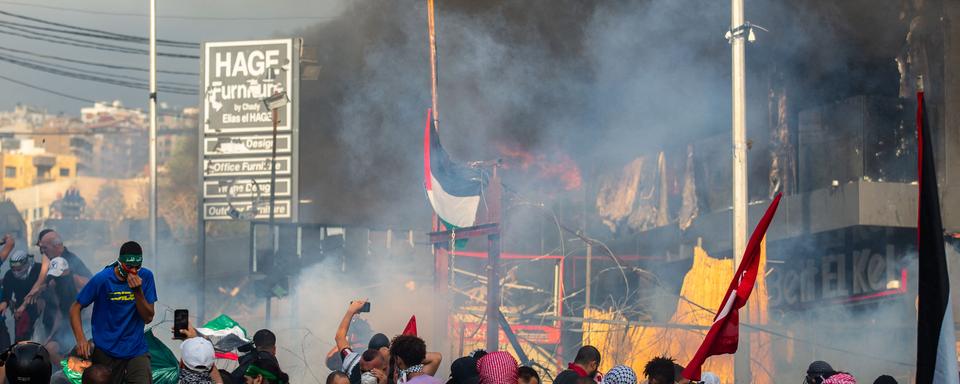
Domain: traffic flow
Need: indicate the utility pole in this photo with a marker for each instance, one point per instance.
(738, 35)
(274, 238)
(153, 134)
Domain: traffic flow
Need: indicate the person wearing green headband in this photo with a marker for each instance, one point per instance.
(264, 371)
(122, 295)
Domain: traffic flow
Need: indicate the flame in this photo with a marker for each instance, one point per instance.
(555, 166)
(705, 284)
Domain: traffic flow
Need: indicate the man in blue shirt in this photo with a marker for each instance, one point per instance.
(122, 295)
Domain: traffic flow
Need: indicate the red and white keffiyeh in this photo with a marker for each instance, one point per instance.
(840, 378)
(498, 368)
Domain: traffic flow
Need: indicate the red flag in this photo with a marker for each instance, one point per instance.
(411, 328)
(724, 334)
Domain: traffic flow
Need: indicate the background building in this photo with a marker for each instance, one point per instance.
(26, 165)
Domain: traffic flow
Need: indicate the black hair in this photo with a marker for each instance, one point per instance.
(527, 373)
(661, 369)
(75, 352)
(587, 354)
(370, 355)
(335, 374)
(584, 380)
(411, 349)
(96, 374)
(885, 379)
(264, 338)
(131, 248)
(478, 354)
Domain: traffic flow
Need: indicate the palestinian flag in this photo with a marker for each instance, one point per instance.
(454, 189)
(936, 341)
(225, 334)
(164, 365)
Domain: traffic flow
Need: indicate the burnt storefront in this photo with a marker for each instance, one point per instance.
(851, 265)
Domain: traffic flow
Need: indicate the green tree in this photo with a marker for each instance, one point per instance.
(179, 188)
(110, 204)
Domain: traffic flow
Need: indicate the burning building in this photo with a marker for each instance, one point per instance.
(612, 125)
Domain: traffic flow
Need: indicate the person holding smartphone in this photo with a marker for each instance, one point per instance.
(122, 295)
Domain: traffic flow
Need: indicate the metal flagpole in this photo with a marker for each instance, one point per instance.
(153, 134)
(738, 37)
(431, 24)
(440, 255)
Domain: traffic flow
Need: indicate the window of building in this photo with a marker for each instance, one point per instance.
(10, 171)
(65, 172)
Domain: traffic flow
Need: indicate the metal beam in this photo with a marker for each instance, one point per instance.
(443, 237)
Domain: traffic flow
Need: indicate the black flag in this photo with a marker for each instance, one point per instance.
(936, 341)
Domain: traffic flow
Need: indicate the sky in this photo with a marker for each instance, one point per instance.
(222, 20)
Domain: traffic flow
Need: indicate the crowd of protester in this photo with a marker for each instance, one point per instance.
(54, 292)
(405, 360)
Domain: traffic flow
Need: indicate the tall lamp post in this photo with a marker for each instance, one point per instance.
(274, 102)
(152, 225)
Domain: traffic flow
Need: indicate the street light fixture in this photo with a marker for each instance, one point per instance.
(276, 101)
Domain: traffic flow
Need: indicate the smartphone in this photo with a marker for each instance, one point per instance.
(365, 308)
(181, 318)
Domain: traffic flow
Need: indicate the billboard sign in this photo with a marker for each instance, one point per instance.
(246, 145)
(244, 210)
(245, 166)
(237, 129)
(244, 188)
(237, 76)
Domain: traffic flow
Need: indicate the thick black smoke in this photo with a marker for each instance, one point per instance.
(603, 81)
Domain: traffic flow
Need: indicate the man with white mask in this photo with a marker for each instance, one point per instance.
(17, 282)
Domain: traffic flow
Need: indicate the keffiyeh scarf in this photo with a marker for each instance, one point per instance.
(406, 372)
(620, 374)
(498, 368)
(840, 378)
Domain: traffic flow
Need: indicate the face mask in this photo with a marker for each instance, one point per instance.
(129, 264)
(22, 271)
(368, 378)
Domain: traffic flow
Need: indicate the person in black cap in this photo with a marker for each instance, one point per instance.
(818, 371)
(122, 295)
(464, 371)
(28, 362)
(265, 348)
(885, 379)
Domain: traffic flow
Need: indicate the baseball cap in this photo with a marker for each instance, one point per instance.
(58, 266)
(379, 341)
(197, 354)
(42, 234)
(818, 367)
